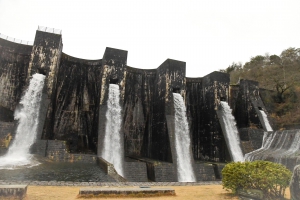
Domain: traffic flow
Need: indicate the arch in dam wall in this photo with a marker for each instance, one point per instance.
(76, 90)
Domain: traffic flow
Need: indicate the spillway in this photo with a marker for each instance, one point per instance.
(182, 142)
(280, 147)
(265, 121)
(231, 133)
(112, 150)
(28, 115)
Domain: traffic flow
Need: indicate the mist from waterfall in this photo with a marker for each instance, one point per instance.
(112, 149)
(182, 142)
(231, 133)
(18, 153)
(266, 121)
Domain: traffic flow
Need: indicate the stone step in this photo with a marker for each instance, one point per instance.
(13, 191)
(126, 191)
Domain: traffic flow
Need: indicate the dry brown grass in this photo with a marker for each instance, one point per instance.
(207, 192)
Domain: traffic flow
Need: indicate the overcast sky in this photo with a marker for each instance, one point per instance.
(207, 35)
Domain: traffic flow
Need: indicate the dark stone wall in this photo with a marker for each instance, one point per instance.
(6, 115)
(247, 105)
(135, 171)
(76, 90)
(114, 62)
(170, 78)
(58, 150)
(205, 172)
(194, 102)
(14, 62)
(138, 100)
(76, 104)
(251, 139)
(161, 171)
(5, 129)
(233, 96)
(45, 59)
(215, 87)
(203, 99)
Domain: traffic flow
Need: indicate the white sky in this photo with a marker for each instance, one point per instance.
(207, 35)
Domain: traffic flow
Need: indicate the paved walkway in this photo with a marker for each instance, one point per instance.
(113, 184)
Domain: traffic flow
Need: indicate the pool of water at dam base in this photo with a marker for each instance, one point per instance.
(57, 171)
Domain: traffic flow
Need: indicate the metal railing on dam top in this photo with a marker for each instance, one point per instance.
(11, 39)
(49, 30)
(40, 28)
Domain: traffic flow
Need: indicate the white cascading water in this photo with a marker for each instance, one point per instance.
(291, 148)
(267, 141)
(18, 153)
(182, 142)
(277, 147)
(266, 121)
(231, 133)
(112, 149)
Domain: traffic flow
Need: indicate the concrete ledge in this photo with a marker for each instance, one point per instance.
(126, 191)
(159, 171)
(13, 191)
(110, 169)
(135, 171)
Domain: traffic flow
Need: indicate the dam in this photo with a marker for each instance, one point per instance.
(81, 115)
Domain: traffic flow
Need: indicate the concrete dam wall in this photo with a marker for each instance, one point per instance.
(75, 103)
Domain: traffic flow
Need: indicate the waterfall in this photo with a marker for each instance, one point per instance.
(182, 142)
(231, 133)
(112, 148)
(27, 116)
(266, 121)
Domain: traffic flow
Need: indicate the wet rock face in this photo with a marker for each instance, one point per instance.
(203, 96)
(295, 184)
(247, 105)
(6, 115)
(251, 139)
(194, 102)
(76, 92)
(113, 71)
(138, 100)
(170, 78)
(76, 104)
(45, 58)
(13, 72)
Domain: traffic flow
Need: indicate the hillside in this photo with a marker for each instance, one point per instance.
(280, 75)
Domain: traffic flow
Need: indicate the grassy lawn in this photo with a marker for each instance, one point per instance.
(207, 192)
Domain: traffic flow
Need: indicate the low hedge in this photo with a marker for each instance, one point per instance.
(271, 178)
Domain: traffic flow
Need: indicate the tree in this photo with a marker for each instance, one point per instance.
(290, 56)
(277, 81)
(233, 67)
(255, 62)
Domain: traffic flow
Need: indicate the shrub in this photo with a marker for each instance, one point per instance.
(269, 177)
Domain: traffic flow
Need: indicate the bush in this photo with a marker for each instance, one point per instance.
(271, 178)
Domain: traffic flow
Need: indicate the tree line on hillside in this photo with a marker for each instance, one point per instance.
(280, 74)
(273, 72)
